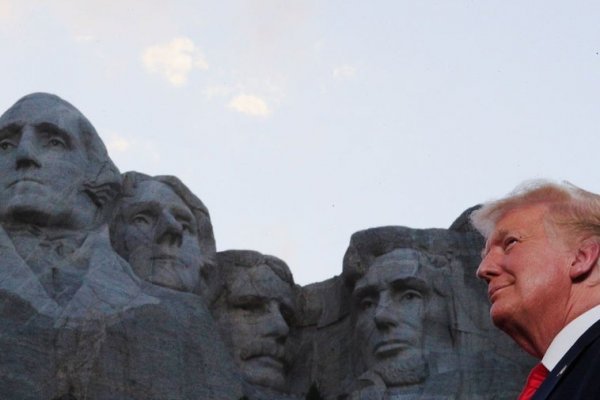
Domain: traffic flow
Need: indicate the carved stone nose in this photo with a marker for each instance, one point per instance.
(385, 312)
(26, 156)
(278, 327)
(169, 230)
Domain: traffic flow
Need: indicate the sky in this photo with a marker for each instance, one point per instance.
(299, 123)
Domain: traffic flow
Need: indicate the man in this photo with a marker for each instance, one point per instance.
(254, 312)
(390, 296)
(57, 189)
(164, 232)
(541, 265)
(61, 283)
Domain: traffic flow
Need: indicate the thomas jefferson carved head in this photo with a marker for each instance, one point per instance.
(54, 169)
(164, 231)
(254, 313)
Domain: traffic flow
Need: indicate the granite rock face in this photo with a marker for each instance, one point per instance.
(408, 319)
(111, 289)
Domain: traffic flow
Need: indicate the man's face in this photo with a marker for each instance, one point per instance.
(42, 163)
(525, 264)
(158, 237)
(255, 323)
(390, 304)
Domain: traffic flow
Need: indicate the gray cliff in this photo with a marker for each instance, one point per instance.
(111, 288)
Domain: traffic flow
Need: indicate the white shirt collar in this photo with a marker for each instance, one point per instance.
(568, 335)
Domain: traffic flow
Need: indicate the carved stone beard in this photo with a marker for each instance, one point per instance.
(404, 372)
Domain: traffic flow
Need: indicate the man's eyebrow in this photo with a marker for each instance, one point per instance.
(10, 129)
(364, 290)
(409, 282)
(183, 213)
(248, 297)
(55, 130)
(141, 206)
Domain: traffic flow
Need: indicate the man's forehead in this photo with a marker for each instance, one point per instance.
(390, 267)
(152, 191)
(36, 111)
(523, 221)
(258, 281)
(529, 217)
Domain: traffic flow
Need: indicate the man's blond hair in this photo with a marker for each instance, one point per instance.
(570, 208)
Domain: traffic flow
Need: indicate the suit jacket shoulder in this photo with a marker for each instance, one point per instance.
(577, 374)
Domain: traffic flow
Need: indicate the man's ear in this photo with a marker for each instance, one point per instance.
(585, 260)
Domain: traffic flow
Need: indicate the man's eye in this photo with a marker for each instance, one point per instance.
(140, 219)
(411, 295)
(6, 144)
(366, 303)
(55, 142)
(509, 242)
(250, 306)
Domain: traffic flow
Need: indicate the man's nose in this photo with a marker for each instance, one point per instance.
(385, 312)
(27, 152)
(488, 268)
(277, 326)
(169, 230)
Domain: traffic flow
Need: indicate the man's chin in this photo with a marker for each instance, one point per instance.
(498, 314)
(402, 371)
(264, 373)
(172, 274)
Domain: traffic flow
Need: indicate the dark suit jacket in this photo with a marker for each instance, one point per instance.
(577, 374)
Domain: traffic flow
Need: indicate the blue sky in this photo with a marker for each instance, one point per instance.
(301, 122)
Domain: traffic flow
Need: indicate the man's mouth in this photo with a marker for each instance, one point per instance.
(268, 355)
(386, 348)
(23, 180)
(268, 361)
(493, 290)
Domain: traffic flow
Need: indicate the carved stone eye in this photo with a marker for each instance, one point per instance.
(6, 144)
(411, 295)
(254, 307)
(366, 303)
(140, 219)
(54, 142)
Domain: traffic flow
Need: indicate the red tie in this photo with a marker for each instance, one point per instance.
(534, 380)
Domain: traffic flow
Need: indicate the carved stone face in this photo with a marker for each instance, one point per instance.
(255, 323)
(390, 307)
(158, 235)
(42, 164)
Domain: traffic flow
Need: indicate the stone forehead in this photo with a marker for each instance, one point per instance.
(408, 258)
(43, 105)
(396, 264)
(259, 280)
(155, 191)
(231, 260)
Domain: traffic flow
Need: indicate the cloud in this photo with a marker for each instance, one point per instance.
(344, 72)
(11, 14)
(7, 10)
(174, 60)
(250, 105)
(118, 143)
